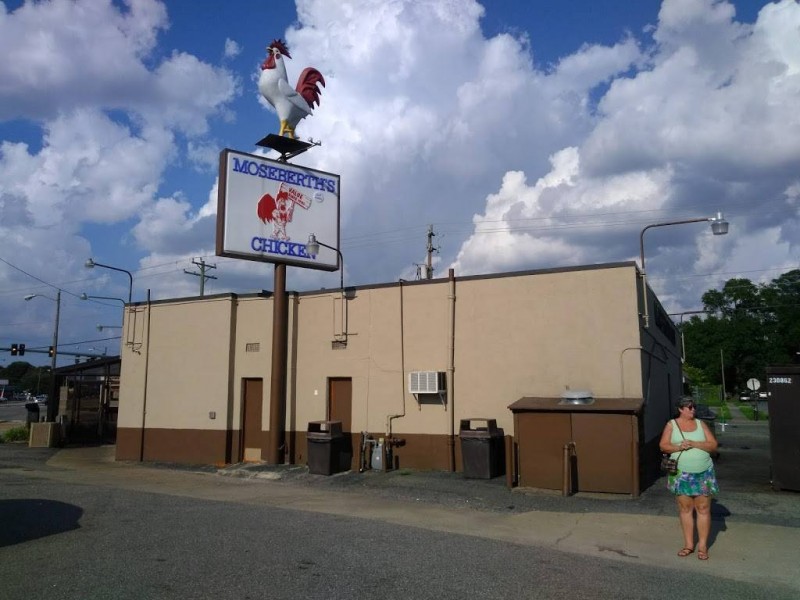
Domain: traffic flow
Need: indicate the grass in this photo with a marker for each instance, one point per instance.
(16, 434)
(749, 413)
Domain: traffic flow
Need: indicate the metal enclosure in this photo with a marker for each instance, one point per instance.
(783, 385)
(325, 441)
(482, 449)
(601, 440)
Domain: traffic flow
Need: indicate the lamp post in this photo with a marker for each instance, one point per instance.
(90, 264)
(51, 405)
(680, 326)
(719, 226)
(313, 249)
(85, 296)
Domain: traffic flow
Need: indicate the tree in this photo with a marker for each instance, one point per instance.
(749, 327)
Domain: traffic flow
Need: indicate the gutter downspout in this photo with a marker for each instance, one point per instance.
(391, 418)
(451, 355)
(146, 371)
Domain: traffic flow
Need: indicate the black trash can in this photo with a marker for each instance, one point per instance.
(325, 441)
(482, 449)
(33, 413)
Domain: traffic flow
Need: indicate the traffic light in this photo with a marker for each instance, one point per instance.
(51, 351)
(22, 349)
(14, 350)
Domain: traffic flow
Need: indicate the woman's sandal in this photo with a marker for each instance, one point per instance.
(685, 552)
(702, 554)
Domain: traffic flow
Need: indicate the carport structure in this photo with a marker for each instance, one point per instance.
(89, 400)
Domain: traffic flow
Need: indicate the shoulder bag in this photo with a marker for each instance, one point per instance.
(670, 465)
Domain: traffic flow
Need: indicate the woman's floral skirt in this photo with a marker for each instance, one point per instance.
(693, 484)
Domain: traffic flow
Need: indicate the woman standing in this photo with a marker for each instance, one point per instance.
(691, 442)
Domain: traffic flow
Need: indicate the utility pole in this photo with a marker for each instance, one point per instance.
(202, 274)
(430, 249)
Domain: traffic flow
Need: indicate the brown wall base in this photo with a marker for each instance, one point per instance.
(188, 446)
(196, 446)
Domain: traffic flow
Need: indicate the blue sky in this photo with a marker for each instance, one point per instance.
(529, 134)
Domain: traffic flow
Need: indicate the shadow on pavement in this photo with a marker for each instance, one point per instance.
(27, 519)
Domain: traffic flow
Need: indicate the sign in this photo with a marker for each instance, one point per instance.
(753, 384)
(267, 209)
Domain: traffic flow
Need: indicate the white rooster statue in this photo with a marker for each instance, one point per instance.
(291, 104)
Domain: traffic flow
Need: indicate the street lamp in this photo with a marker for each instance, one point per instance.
(90, 264)
(51, 405)
(313, 249)
(719, 226)
(85, 296)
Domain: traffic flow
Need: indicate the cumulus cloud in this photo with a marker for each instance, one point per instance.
(429, 121)
(707, 123)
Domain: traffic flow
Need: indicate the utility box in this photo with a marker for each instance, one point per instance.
(600, 436)
(783, 385)
(482, 448)
(325, 445)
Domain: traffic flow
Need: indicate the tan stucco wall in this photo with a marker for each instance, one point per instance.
(186, 372)
(515, 335)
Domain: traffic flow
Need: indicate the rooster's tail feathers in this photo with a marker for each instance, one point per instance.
(307, 85)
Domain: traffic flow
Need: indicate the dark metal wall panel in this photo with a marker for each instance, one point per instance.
(783, 384)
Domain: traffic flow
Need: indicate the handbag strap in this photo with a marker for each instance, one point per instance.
(675, 423)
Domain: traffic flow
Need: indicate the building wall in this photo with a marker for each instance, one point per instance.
(523, 334)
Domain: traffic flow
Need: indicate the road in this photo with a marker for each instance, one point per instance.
(120, 531)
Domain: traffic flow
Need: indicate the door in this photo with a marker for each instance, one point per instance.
(340, 408)
(604, 445)
(252, 434)
(541, 437)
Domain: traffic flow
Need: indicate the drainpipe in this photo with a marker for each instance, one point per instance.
(451, 355)
(146, 370)
(391, 418)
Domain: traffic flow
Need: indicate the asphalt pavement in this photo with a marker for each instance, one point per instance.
(755, 530)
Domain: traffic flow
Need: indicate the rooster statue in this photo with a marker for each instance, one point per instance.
(290, 104)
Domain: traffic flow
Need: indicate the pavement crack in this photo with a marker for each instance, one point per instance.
(616, 551)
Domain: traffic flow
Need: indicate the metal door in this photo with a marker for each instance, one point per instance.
(252, 434)
(604, 451)
(340, 408)
(541, 438)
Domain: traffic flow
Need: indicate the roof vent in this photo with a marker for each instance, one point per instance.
(577, 398)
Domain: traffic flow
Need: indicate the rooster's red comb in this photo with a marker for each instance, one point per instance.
(281, 46)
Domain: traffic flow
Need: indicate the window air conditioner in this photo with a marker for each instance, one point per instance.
(426, 382)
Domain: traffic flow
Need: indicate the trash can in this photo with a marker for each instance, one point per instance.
(482, 449)
(33, 413)
(325, 441)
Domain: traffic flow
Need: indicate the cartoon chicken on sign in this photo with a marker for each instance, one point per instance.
(291, 104)
(279, 210)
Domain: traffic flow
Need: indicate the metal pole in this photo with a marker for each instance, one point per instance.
(722, 366)
(53, 403)
(277, 393)
(641, 256)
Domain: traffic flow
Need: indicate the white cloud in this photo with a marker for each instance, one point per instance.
(708, 123)
(429, 122)
(232, 49)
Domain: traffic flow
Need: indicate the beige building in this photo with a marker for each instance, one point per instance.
(195, 381)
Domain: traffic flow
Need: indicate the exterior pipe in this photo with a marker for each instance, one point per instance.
(450, 375)
(391, 418)
(146, 371)
(566, 479)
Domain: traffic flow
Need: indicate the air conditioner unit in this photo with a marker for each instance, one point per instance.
(426, 382)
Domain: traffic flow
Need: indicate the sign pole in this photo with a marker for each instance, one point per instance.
(277, 390)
